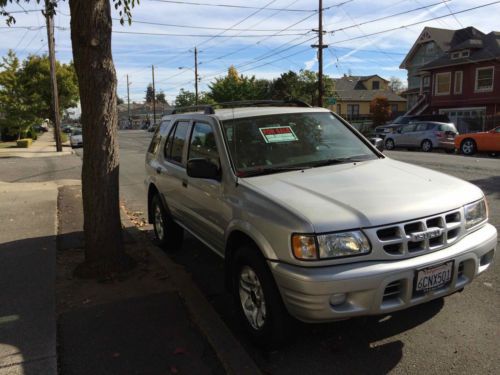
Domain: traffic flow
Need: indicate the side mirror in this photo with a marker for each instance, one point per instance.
(378, 143)
(202, 168)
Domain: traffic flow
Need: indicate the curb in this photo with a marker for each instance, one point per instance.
(233, 357)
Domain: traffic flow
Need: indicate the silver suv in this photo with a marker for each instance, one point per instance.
(312, 221)
(424, 135)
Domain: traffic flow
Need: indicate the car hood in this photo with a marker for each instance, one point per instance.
(76, 138)
(366, 194)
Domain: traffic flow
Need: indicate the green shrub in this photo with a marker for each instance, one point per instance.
(24, 143)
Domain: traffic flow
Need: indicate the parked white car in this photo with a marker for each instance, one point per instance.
(76, 139)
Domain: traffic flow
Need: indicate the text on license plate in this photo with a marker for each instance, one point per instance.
(434, 277)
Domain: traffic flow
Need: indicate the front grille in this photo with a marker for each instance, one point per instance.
(420, 236)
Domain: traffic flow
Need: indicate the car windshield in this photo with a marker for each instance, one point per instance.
(270, 144)
(77, 132)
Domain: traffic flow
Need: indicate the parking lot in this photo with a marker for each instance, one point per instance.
(456, 335)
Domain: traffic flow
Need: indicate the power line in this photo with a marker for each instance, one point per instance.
(202, 35)
(386, 17)
(451, 11)
(230, 6)
(416, 23)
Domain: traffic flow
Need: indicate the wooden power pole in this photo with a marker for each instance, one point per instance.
(128, 101)
(196, 75)
(154, 95)
(320, 46)
(49, 18)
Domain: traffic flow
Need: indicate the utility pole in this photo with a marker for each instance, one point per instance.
(49, 18)
(128, 101)
(320, 46)
(196, 75)
(154, 95)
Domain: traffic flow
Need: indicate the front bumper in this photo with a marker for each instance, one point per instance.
(307, 291)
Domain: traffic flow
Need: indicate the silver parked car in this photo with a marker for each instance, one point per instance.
(300, 206)
(424, 135)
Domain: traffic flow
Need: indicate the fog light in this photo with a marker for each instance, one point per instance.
(337, 299)
(486, 258)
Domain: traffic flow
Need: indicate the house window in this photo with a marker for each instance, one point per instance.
(394, 108)
(375, 85)
(484, 79)
(458, 82)
(339, 108)
(465, 53)
(427, 81)
(352, 110)
(455, 55)
(443, 83)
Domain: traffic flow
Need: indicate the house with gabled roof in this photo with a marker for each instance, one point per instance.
(353, 95)
(461, 81)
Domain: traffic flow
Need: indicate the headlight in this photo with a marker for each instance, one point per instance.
(475, 213)
(343, 244)
(333, 245)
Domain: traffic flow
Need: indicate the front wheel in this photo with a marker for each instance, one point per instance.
(468, 147)
(257, 298)
(168, 233)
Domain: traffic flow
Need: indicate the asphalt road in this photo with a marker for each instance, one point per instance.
(458, 335)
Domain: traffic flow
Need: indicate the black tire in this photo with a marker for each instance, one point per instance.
(468, 147)
(169, 235)
(276, 321)
(389, 144)
(426, 145)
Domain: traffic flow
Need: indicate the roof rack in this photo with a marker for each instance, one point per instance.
(209, 109)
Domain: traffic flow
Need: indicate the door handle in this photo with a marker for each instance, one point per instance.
(185, 183)
(158, 170)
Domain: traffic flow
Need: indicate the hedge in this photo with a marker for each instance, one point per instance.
(24, 143)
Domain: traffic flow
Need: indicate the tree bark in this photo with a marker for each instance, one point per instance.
(91, 27)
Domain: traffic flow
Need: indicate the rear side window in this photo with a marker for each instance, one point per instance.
(422, 127)
(174, 146)
(161, 130)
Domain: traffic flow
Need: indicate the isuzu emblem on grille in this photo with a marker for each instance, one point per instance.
(426, 235)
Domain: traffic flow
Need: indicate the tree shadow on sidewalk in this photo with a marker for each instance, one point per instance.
(27, 306)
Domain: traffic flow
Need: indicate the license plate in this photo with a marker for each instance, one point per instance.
(434, 277)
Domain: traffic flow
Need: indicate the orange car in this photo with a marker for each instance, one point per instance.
(470, 143)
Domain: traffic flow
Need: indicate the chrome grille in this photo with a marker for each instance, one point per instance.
(420, 236)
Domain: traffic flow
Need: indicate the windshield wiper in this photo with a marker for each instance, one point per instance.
(270, 170)
(350, 159)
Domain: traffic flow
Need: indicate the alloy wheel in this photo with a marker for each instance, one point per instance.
(468, 147)
(158, 223)
(252, 298)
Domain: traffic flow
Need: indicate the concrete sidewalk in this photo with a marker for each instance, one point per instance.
(44, 146)
(28, 228)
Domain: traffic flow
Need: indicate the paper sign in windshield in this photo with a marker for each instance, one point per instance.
(278, 134)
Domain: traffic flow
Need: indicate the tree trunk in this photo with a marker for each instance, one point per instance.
(91, 40)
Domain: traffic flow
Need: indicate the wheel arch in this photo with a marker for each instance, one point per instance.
(238, 236)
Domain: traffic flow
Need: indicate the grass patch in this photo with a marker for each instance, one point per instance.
(8, 144)
(64, 137)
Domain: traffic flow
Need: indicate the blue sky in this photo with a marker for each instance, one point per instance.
(254, 52)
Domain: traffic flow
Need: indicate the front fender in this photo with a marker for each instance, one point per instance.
(252, 232)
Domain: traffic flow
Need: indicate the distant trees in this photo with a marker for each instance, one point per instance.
(160, 98)
(25, 93)
(381, 110)
(396, 85)
(233, 87)
(150, 94)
